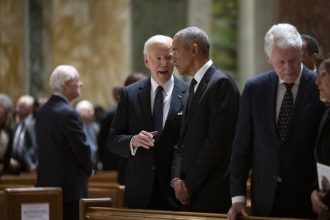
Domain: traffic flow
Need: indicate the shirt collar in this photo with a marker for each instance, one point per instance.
(201, 72)
(167, 86)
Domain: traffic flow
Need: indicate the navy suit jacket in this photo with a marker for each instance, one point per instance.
(64, 155)
(202, 155)
(257, 146)
(132, 116)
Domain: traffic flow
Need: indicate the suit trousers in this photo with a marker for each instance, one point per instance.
(71, 210)
(159, 200)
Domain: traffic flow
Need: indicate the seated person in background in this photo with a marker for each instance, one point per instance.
(6, 110)
(24, 148)
(86, 110)
(321, 199)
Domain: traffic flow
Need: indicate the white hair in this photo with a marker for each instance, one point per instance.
(156, 39)
(27, 100)
(84, 105)
(283, 36)
(60, 75)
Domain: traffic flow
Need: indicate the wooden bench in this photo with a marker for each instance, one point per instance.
(111, 190)
(33, 201)
(104, 213)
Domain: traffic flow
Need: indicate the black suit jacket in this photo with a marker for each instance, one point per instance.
(257, 146)
(201, 157)
(133, 115)
(64, 156)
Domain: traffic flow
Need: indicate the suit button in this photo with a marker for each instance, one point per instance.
(152, 168)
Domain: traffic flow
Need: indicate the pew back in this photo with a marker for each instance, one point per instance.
(33, 201)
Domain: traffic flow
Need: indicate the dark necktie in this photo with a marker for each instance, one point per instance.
(158, 110)
(285, 112)
(191, 93)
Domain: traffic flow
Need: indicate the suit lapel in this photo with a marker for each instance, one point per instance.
(199, 92)
(272, 87)
(144, 100)
(176, 103)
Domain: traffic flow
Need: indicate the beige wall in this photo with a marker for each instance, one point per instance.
(93, 35)
(11, 47)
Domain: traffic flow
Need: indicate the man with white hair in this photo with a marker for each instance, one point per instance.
(276, 132)
(64, 154)
(24, 148)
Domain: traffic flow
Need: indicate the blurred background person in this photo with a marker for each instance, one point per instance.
(24, 148)
(6, 137)
(111, 161)
(86, 110)
(64, 154)
(311, 50)
(321, 198)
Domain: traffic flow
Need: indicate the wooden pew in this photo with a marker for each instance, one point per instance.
(111, 190)
(84, 204)
(33, 201)
(103, 213)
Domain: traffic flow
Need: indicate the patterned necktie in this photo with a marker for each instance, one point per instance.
(158, 110)
(285, 112)
(191, 93)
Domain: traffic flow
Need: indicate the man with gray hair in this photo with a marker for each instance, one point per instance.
(276, 132)
(201, 156)
(64, 155)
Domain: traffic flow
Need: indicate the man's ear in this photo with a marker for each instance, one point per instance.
(195, 49)
(268, 59)
(146, 61)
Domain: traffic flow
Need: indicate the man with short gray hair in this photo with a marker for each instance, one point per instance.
(276, 132)
(64, 155)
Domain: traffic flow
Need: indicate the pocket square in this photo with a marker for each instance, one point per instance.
(179, 113)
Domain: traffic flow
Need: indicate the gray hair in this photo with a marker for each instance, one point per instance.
(156, 39)
(6, 102)
(27, 100)
(195, 35)
(283, 36)
(60, 75)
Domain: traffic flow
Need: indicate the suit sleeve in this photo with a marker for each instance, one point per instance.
(223, 103)
(242, 147)
(73, 129)
(119, 137)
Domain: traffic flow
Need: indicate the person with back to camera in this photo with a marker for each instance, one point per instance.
(276, 132)
(64, 154)
(146, 127)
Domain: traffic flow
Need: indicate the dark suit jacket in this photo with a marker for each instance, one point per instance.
(64, 156)
(322, 149)
(257, 146)
(201, 157)
(133, 115)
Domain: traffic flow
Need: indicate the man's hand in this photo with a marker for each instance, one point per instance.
(318, 206)
(181, 191)
(144, 139)
(237, 209)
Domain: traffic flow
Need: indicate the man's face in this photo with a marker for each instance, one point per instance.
(306, 58)
(72, 87)
(158, 61)
(182, 56)
(286, 63)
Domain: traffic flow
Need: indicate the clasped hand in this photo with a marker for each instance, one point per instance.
(181, 191)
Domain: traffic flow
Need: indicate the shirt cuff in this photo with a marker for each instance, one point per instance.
(237, 199)
(133, 149)
(172, 181)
